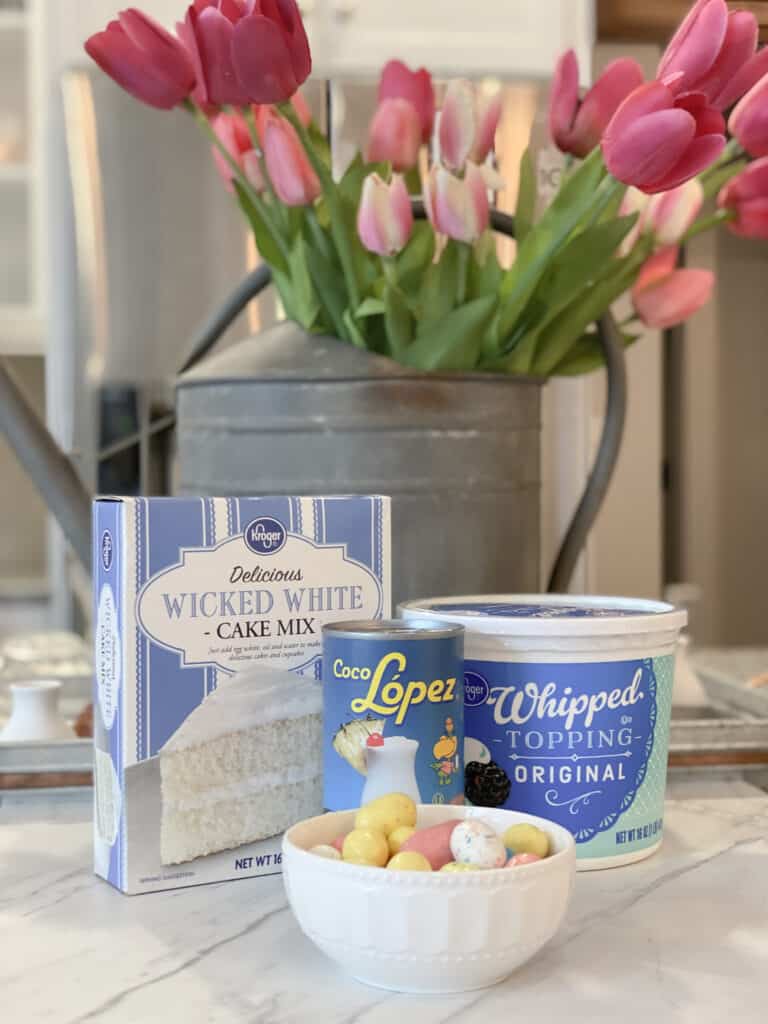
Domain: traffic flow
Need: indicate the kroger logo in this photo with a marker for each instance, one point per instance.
(107, 550)
(476, 690)
(265, 536)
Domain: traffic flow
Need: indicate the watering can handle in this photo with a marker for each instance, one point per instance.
(600, 476)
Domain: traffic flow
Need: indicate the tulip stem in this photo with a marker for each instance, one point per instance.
(239, 176)
(335, 206)
(707, 223)
(464, 254)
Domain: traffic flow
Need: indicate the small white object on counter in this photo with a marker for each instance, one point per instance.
(35, 713)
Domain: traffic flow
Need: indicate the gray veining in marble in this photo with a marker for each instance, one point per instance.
(682, 937)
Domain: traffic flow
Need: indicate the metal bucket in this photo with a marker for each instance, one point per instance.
(290, 413)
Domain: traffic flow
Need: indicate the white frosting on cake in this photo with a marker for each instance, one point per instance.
(248, 700)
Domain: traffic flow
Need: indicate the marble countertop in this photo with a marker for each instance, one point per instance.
(682, 937)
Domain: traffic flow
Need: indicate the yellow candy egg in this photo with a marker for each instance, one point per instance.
(526, 839)
(397, 837)
(409, 861)
(454, 865)
(365, 846)
(386, 813)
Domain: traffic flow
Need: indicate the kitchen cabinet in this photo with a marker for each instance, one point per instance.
(656, 20)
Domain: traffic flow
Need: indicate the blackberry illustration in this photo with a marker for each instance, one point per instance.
(486, 785)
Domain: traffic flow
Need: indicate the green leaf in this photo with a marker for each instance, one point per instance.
(574, 201)
(713, 181)
(369, 307)
(417, 256)
(484, 278)
(555, 341)
(320, 142)
(270, 248)
(353, 332)
(398, 320)
(586, 355)
(454, 342)
(525, 208)
(329, 284)
(580, 264)
(440, 288)
(305, 302)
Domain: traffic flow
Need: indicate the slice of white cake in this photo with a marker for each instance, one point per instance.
(243, 766)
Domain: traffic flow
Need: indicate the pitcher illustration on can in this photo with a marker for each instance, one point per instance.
(393, 712)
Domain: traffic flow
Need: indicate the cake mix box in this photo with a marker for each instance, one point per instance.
(208, 616)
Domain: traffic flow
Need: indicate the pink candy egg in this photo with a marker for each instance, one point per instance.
(520, 859)
(338, 842)
(434, 843)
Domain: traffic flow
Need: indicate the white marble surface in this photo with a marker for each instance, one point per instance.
(682, 937)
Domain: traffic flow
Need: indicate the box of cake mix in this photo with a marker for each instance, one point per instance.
(208, 616)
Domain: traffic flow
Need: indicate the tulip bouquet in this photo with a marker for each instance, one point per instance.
(348, 258)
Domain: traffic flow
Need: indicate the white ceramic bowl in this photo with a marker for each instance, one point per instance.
(425, 932)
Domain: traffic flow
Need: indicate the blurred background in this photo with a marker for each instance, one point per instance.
(118, 240)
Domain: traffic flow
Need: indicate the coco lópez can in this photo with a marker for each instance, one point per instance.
(393, 712)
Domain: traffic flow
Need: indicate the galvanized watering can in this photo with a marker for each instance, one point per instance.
(293, 413)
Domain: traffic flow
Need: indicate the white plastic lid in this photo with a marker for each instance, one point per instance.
(550, 615)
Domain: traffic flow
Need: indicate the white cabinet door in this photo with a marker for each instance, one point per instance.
(514, 38)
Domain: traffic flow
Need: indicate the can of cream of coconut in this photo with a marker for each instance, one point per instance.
(393, 712)
(566, 712)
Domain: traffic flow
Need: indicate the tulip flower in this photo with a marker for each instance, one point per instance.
(578, 127)
(144, 59)
(468, 122)
(663, 296)
(666, 215)
(747, 76)
(207, 32)
(746, 196)
(696, 45)
(398, 82)
(394, 135)
(738, 49)
(457, 207)
(384, 218)
(656, 140)
(233, 134)
(288, 166)
(749, 119)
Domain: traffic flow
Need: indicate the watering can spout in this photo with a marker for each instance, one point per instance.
(48, 467)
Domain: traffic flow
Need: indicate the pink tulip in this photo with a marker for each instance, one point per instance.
(288, 167)
(746, 196)
(468, 122)
(232, 131)
(207, 32)
(577, 127)
(747, 76)
(696, 46)
(395, 135)
(457, 207)
(666, 215)
(663, 296)
(737, 50)
(384, 218)
(656, 140)
(143, 59)
(398, 82)
(749, 119)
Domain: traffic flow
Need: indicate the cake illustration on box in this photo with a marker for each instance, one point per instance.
(243, 766)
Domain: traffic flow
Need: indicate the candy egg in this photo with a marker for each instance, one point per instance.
(338, 842)
(386, 813)
(366, 846)
(474, 842)
(409, 862)
(434, 843)
(324, 850)
(399, 836)
(527, 839)
(454, 865)
(520, 859)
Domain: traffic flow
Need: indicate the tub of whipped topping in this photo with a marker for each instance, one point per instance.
(567, 707)
(393, 712)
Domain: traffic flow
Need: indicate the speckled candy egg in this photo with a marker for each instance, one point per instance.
(474, 842)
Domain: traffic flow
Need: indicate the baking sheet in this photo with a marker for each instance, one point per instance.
(725, 672)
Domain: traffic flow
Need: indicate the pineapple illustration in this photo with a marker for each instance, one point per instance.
(350, 740)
